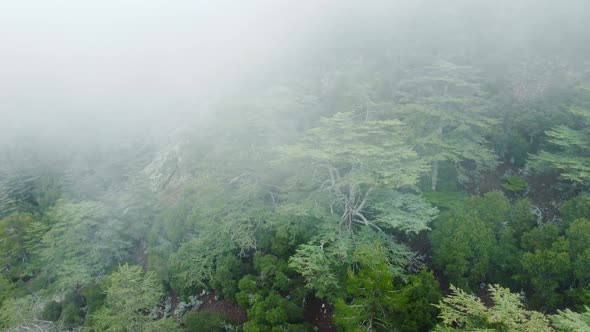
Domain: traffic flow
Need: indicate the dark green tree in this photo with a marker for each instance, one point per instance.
(374, 303)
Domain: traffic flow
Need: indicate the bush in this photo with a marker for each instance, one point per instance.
(204, 321)
(444, 200)
(576, 208)
(515, 184)
(228, 271)
(94, 297)
(71, 315)
(52, 311)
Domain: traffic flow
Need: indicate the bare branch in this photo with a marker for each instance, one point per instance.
(238, 177)
(364, 201)
(358, 214)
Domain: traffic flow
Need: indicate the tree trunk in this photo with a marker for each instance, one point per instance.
(434, 174)
(439, 131)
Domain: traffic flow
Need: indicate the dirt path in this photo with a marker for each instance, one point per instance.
(320, 314)
(234, 312)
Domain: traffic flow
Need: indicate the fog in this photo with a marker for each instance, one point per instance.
(85, 70)
(128, 58)
(294, 165)
(119, 58)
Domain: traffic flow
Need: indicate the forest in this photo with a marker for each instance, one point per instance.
(395, 166)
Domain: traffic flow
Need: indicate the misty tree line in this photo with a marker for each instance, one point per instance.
(432, 182)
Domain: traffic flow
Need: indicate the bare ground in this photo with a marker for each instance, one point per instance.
(319, 313)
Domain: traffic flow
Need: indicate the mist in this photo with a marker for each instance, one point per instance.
(254, 163)
(137, 63)
(120, 60)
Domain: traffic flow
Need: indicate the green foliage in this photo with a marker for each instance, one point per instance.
(83, 242)
(418, 313)
(129, 293)
(570, 321)
(261, 295)
(578, 235)
(478, 240)
(351, 158)
(228, 270)
(466, 312)
(556, 264)
(267, 309)
(34, 243)
(493, 208)
(194, 263)
(72, 315)
(225, 223)
(52, 311)
(285, 232)
(443, 107)
(522, 218)
(512, 145)
(288, 183)
(273, 272)
(571, 158)
(94, 298)
(576, 208)
(275, 312)
(13, 247)
(373, 296)
(24, 313)
(323, 262)
(374, 303)
(204, 321)
(378, 145)
(404, 212)
(28, 193)
(444, 200)
(515, 184)
(540, 237)
(505, 257)
(7, 289)
(172, 226)
(463, 245)
(547, 269)
(313, 264)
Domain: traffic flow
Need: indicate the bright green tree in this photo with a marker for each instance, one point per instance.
(85, 240)
(350, 170)
(129, 294)
(461, 311)
(570, 321)
(13, 249)
(571, 157)
(227, 215)
(24, 314)
(349, 158)
(443, 105)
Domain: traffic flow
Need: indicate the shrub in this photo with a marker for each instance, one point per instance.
(52, 311)
(515, 184)
(204, 321)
